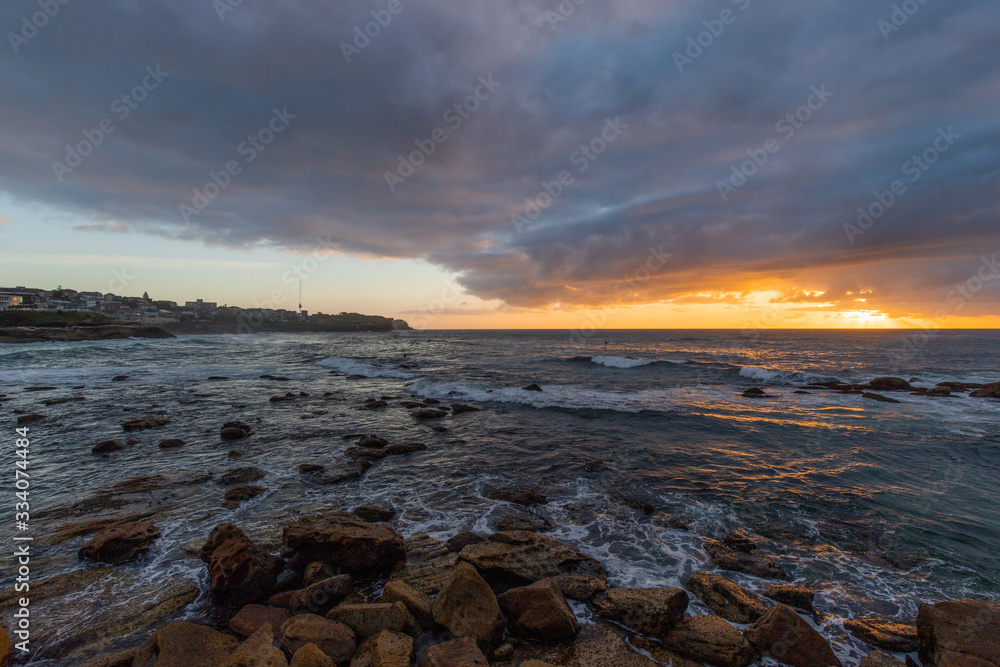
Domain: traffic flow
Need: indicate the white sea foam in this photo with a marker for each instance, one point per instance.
(629, 362)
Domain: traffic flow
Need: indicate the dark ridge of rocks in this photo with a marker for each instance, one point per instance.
(343, 471)
(411, 404)
(428, 413)
(366, 454)
(878, 397)
(754, 392)
(372, 441)
(532, 387)
(459, 407)
(522, 521)
(373, 404)
(29, 390)
(357, 376)
(276, 378)
(30, 419)
(987, 391)
(960, 386)
(890, 384)
(307, 468)
(513, 494)
(145, 423)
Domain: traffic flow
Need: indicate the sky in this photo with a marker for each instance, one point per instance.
(518, 164)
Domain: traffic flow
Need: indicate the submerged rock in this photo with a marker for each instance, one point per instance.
(171, 443)
(30, 419)
(343, 471)
(347, 541)
(108, 446)
(540, 612)
(523, 521)
(727, 598)
(754, 392)
(987, 391)
(373, 513)
(800, 597)
(513, 494)
(428, 413)
(467, 607)
(959, 633)
(234, 431)
(120, 544)
(884, 633)
(241, 476)
(785, 636)
(145, 423)
(241, 572)
(459, 407)
(239, 494)
(372, 441)
(532, 387)
(878, 397)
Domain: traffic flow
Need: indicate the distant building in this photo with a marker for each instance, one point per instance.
(10, 301)
(202, 308)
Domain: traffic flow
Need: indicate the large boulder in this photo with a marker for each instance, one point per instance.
(651, 611)
(455, 653)
(959, 633)
(386, 649)
(369, 619)
(184, 644)
(319, 598)
(429, 564)
(241, 572)
(346, 541)
(121, 543)
(539, 611)
(890, 384)
(467, 607)
(310, 656)
(785, 636)
(600, 645)
(258, 651)
(709, 639)
(987, 391)
(419, 604)
(741, 557)
(519, 558)
(253, 617)
(884, 633)
(727, 598)
(334, 639)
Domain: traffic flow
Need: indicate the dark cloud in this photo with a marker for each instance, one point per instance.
(653, 189)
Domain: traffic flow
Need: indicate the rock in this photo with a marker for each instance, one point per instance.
(369, 619)
(239, 476)
(532, 387)
(959, 633)
(334, 639)
(184, 644)
(600, 646)
(171, 443)
(519, 558)
(30, 419)
(785, 636)
(462, 540)
(651, 611)
(386, 649)
(307, 468)
(357, 376)
(253, 617)
(317, 571)
(373, 513)
(343, 472)
(418, 604)
(108, 446)
(372, 442)
(428, 413)
(406, 448)
(372, 404)
(239, 494)
(880, 659)
(748, 562)
(890, 384)
(754, 392)
(347, 541)
(455, 653)
(120, 544)
(320, 597)
(5, 647)
(367, 454)
(727, 598)
(799, 597)
(709, 639)
(987, 391)
(258, 651)
(145, 423)
(428, 566)
(878, 397)
(522, 521)
(539, 611)
(939, 391)
(467, 607)
(884, 633)
(123, 658)
(310, 656)
(119, 378)
(513, 494)
(458, 407)
(241, 572)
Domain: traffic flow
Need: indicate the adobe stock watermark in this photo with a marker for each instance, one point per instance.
(580, 159)
(122, 107)
(786, 128)
(363, 36)
(914, 169)
(224, 7)
(30, 25)
(699, 43)
(454, 117)
(254, 145)
(900, 16)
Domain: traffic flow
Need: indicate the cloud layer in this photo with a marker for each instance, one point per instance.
(482, 204)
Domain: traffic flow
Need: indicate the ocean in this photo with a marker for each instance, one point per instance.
(642, 441)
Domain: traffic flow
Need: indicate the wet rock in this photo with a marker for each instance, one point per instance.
(239, 494)
(884, 633)
(418, 604)
(320, 597)
(108, 446)
(252, 617)
(347, 541)
(184, 644)
(171, 443)
(241, 476)
(373, 513)
(373, 404)
(532, 387)
(60, 401)
(145, 423)
(462, 540)
(890, 384)
(987, 391)
(428, 413)
(316, 572)
(880, 659)
(30, 419)
(406, 448)
(343, 472)
(785, 636)
(800, 597)
(754, 392)
(517, 495)
(727, 598)
(651, 611)
(878, 397)
(234, 430)
(519, 558)
(357, 376)
(747, 561)
(120, 544)
(959, 633)
(455, 653)
(539, 611)
(241, 572)
(523, 521)
(119, 378)
(365, 454)
(307, 468)
(960, 386)
(939, 391)
(599, 645)
(334, 639)
(411, 404)
(467, 607)
(709, 639)
(369, 619)
(459, 407)
(372, 442)
(310, 656)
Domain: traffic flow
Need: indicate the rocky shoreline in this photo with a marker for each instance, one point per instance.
(71, 334)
